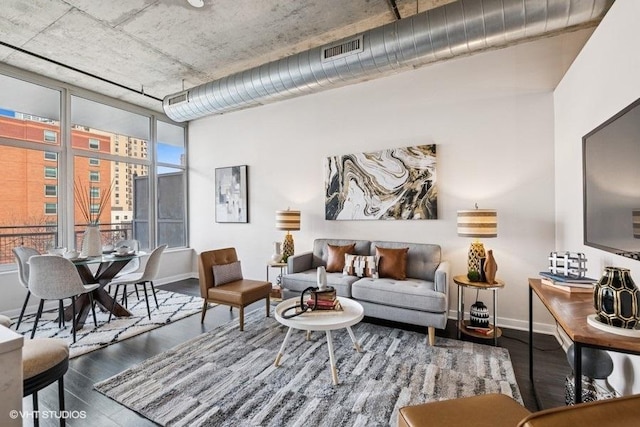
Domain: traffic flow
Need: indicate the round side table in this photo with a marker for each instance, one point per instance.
(463, 282)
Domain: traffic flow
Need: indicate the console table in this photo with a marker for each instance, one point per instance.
(571, 311)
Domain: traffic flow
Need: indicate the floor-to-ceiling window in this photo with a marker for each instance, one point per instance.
(71, 157)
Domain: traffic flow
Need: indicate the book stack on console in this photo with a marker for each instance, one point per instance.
(326, 300)
(569, 284)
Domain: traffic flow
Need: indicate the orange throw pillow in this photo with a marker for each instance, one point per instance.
(392, 263)
(335, 258)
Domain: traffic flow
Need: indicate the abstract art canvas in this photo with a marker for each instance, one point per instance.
(231, 194)
(398, 183)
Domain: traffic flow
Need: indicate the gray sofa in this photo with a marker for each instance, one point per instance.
(420, 299)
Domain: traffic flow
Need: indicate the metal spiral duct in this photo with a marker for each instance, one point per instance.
(458, 28)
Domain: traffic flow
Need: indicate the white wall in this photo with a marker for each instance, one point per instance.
(491, 116)
(602, 81)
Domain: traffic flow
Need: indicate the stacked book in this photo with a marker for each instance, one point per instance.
(484, 330)
(324, 300)
(569, 284)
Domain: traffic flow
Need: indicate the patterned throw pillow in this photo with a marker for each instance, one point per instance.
(392, 263)
(226, 273)
(335, 257)
(361, 266)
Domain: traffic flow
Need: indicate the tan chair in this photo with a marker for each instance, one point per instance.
(44, 361)
(499, 410)
(237, 293)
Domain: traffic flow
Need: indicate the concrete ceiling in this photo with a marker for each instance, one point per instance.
(159, 47)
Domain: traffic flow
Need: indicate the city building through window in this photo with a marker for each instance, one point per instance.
(110, 144)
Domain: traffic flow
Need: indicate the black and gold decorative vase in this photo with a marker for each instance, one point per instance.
(617, 299)
(479, 315)
(476, 252)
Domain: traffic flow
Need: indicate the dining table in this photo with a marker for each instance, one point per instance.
(108, 265)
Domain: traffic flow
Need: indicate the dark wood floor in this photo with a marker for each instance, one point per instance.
(551, 366)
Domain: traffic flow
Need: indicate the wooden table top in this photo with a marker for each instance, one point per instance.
(571, 311)
(463, 280)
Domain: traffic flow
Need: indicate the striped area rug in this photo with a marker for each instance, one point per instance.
(172, 306)
(227, 378)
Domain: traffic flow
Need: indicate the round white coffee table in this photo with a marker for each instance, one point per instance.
(327, 321)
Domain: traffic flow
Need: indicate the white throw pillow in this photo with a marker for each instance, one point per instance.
(360, 265)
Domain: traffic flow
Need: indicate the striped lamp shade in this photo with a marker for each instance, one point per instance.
(288, 220)
(478, 223)
(636, 223)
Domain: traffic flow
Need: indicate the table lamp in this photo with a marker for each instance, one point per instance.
(477, 223)
(290, 221)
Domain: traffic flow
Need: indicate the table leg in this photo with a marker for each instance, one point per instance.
(531, 335)
(577, 367)
(332, 359)
(356, 344)
(460, 310)
(495, 317)
(284, 344)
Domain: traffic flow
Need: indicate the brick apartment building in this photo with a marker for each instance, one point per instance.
(29, 193)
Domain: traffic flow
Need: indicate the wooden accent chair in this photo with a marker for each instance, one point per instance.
(238, 292)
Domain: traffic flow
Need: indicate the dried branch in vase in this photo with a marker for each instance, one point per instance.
(85, 198)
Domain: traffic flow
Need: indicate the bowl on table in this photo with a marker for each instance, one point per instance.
(71, 254)
(123, 250)
(107, 249)
(57, 251)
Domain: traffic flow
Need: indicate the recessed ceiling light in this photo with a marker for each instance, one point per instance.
(196, 3)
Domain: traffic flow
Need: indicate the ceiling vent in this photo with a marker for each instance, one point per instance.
(340, 50)
(455, 29)
(181, 97)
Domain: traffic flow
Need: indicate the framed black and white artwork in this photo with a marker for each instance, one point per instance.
(232, 203)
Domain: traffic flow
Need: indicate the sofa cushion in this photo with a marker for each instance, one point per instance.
(414, 294)
(335, 256)
(422, 259)
(226, 273)
(298, 282)
(360, 266)
(321, 249)
(392, 262)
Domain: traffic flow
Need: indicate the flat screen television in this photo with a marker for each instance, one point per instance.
(611, 183)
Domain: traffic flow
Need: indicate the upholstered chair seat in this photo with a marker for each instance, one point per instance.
(44, 361)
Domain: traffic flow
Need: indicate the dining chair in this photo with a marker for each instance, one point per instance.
(53, 277)
(22, 255)
(147, 276)
(221, 282)
(133, 265)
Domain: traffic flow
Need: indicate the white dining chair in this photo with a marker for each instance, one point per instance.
(53, 277)
(142, 278)
(133, 265)
(22, 255)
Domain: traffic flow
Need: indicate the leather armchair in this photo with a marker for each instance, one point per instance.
(499, 410)
(238, 293)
